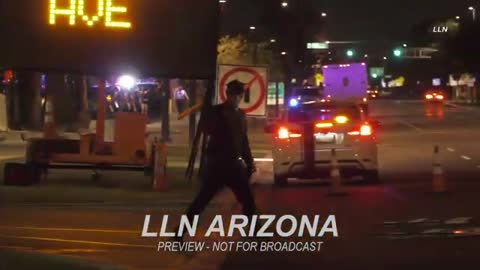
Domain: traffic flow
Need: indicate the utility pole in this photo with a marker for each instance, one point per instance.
(192, 87)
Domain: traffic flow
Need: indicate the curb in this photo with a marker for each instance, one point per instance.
(448, 104)
(461, 106)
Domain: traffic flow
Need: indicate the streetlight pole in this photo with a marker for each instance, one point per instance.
(472, 9)
(251, 38)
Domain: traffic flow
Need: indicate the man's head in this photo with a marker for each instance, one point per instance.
(235, 92)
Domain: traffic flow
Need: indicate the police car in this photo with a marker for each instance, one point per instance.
(308, 132)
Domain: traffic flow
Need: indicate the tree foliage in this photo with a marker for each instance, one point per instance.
(463, 49)
(237, 50)
(232, 50)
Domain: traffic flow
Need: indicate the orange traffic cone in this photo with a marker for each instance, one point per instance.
(49, 128)
(336, 188)
(160, 182)
(439, 184)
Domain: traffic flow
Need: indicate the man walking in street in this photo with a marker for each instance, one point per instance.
(228, 161)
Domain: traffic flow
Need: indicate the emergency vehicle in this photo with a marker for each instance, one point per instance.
(319, 120)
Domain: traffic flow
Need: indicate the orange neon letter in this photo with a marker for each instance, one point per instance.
(54, 12)
(109, 22)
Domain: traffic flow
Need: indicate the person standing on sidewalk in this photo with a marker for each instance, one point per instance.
(181, 99)
(229, 161)
(164, 91)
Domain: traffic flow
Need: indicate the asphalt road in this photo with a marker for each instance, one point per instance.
(388, 226)
(397, 225)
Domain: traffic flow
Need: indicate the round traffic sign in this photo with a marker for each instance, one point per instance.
(256, 79)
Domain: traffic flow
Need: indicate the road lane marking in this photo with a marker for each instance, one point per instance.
(450, 149)
(181, 164)
(61, 240)
(411, 126)
(69, 230)
(459, 220)
(466, 157)
(15, 247)
(71, 250)
(263, 159)
(56, 251)
(418, 220)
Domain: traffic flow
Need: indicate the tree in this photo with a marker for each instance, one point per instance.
(238, 50)
(422, 34)
(456, 48)
(232, 50)
(463, 48)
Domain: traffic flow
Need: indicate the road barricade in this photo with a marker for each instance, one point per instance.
(160, 180)
(336, 188)
(49, 129)
(439, 183)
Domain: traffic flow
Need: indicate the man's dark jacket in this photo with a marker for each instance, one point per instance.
(228, 140)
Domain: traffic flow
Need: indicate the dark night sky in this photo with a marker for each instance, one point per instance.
(386, 19)
(369, 19)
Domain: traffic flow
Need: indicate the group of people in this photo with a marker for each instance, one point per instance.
(152, 99)
(126, 101)
(137, 100)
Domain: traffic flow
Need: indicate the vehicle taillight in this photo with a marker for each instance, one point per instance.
(429, 96)
(341, 119)
(439, 97)
(284, 133)
(324, 125)
(365, 130)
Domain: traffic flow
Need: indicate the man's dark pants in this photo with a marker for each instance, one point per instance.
(221, 175)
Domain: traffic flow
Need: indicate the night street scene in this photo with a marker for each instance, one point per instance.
(239, 134)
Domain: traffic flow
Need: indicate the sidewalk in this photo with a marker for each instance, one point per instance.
(10, 136)
(179, 132)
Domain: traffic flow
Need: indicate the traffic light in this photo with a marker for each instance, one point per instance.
(397, 52)
(350, 53)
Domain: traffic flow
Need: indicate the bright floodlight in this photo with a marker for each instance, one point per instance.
(293, 102)
(471, 8)
(126, 81)
(284, 4)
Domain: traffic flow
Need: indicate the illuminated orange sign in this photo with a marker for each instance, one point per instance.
(75, 10)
